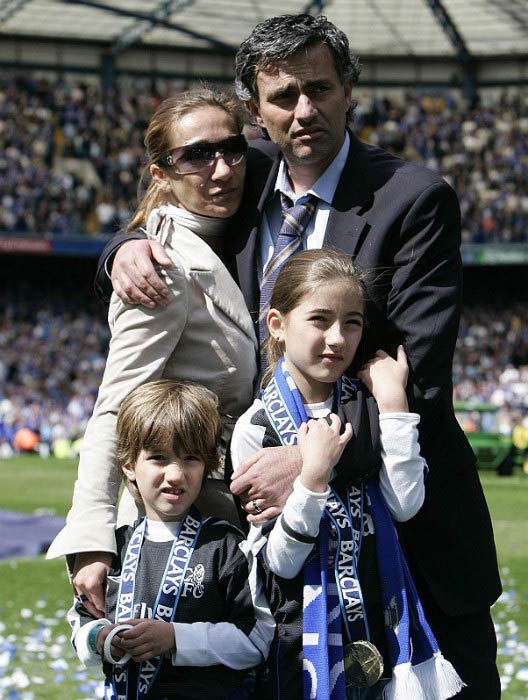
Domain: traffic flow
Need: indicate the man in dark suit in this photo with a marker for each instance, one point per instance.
(402, 222)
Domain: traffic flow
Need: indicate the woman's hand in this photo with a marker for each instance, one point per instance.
(321, 446)
(115, 647)
(147, 639)
(386, 379)
(90, 574)
(134, 278)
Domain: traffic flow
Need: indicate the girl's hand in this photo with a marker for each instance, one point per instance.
(90, 573)
(321, 446)
(386, 379)
(147, 639)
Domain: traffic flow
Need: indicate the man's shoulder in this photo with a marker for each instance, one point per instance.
(383, 166)
(262, 149)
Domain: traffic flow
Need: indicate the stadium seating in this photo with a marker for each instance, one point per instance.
(54, 353)
(70, 157)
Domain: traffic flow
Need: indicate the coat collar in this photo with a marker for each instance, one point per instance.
(354, 188)
(204, 267)
(220, 287)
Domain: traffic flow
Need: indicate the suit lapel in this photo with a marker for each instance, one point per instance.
(345, 231)
(347, 226)
(206, 269)
(262, 171)
(250, 218)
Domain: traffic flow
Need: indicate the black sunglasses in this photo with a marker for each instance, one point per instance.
(201, 155)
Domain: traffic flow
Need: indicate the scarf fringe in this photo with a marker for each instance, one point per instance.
(434, 679)
(404, 684)
(438, 678)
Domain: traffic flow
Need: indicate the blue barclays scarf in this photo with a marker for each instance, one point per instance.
(419, 670)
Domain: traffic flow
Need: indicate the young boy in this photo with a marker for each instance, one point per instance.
(181, 604)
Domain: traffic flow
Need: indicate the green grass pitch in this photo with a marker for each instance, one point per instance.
(37, 663)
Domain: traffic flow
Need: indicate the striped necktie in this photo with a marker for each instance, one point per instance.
(295, 218)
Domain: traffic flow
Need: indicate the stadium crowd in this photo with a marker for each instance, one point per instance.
(51, 364)
(69, 163)
(491, 361)
(53, 356)
(69, 157)
(74, 154)
(481, 150)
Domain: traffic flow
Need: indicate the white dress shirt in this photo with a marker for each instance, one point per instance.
(324, 189)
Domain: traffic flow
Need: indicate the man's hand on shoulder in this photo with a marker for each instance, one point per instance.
(134, 277)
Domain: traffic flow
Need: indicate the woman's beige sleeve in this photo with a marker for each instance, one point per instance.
(142, 341)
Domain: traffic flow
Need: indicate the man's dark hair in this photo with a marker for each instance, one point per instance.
(279, 38)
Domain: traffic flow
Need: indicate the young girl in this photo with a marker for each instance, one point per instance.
(181, 618)
(347, 604)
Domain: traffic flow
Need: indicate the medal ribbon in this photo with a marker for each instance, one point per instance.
(279, 413)
(167, 599)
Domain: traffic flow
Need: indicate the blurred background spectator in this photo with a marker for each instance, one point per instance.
(51, 364)
(491, 360)
(69, 156)
(481, 149)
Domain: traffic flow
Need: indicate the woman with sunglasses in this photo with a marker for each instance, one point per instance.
(196, 164)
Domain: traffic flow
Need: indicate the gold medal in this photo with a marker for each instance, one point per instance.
(363, 664)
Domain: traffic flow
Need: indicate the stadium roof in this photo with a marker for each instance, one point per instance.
(375, 27)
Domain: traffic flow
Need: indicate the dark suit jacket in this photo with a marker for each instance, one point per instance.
(402, 222)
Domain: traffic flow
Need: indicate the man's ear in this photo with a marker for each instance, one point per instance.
(348, 93)
(253, 108)
(275, 324)
(129, 472)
